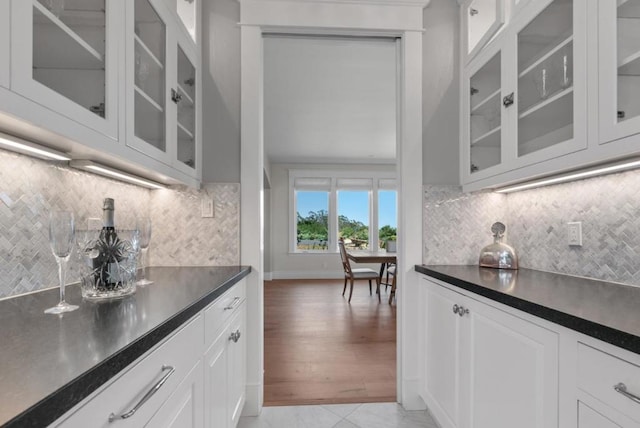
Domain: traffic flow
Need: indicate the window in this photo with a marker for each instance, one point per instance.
(359, 206)
(353, 217)
(312, 224)
(387, 216)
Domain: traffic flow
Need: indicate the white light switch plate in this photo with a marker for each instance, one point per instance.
(207, 206)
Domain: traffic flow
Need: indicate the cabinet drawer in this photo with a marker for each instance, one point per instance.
(599, 372)
(180, 352)
(220, 310)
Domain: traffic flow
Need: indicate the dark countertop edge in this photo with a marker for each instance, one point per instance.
(52, 407)
(601, 332)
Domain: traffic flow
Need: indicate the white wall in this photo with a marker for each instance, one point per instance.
(330, 99)
(440, 93)
(221, 91)
(292, 265)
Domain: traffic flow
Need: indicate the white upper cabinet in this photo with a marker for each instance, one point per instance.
(516, 6)
(551, 87)
(187, 13)
(484, 128)
(163, 98)
(5, 38)
(619, 69)
(64, 56)
(481, 20)
(185, 110)
(525, 96)
(147, 69)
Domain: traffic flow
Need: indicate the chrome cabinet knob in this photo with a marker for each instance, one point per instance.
(456, 308)
(462, 311)
(235, 336)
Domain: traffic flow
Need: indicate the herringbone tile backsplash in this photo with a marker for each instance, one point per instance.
(31, 188)
(457, 226)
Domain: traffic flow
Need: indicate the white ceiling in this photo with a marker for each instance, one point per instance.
(329, 100)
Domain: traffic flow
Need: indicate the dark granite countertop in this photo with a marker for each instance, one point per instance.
(604, 310)
(49, 363)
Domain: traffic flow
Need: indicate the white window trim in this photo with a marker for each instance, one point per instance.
(335, 175)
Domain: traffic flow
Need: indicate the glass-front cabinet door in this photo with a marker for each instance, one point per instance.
(619, 59)
(184, 94)
(64, 56)
(187, 13)
(481, 19)
(164, 96)
(485, 116)
(551, 82)
(147, 69)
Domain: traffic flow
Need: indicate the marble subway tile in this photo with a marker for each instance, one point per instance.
(456, 226)
(30, 188)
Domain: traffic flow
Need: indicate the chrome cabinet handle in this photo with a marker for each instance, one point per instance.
(175, 96)
(235, 336)
(508, 100)
(147, 396)
(456, 308)
(622, 389)
(462, 311)
(233, 304)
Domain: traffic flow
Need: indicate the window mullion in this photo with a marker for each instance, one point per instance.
(333, 216)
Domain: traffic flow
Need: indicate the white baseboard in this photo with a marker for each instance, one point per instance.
(308, 274)
(268, 276)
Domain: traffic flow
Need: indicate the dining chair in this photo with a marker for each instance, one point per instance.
(354, 274)
(392, 272)
(390, 269)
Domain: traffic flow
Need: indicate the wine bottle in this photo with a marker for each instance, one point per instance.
(106, 265)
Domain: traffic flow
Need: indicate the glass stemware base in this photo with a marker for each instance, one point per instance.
(61, 308)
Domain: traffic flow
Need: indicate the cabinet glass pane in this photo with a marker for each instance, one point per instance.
(186, 10)
(150, 64)
(545, 79)
(69, 50)
(186, 89)
(481, 16)
(628, 66)
(485, 119)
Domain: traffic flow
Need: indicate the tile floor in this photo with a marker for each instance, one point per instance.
(368, 415)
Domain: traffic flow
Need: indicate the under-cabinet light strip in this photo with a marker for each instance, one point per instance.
(91, 166)
(28, 148)
(592, 172)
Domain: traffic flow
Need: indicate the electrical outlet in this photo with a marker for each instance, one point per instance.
(575, 233)
(207, 206)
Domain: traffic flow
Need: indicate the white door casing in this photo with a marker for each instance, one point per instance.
(402, 19)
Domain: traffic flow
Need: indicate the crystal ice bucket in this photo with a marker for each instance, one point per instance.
(108, 263)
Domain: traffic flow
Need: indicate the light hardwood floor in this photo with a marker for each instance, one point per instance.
(321, 350)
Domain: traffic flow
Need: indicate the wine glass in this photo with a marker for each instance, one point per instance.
(61, 239)
(540, 79)
(143, 224)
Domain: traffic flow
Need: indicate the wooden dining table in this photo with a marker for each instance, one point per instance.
(379, 256)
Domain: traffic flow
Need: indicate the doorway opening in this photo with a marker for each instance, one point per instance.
(330, 131)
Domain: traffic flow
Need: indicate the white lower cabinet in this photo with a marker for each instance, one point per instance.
(486, 365)
(184, 408)
(589, 418)
(485, 368)
(225, 374)
(133, 398)
(608, 388)
(178, 384)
